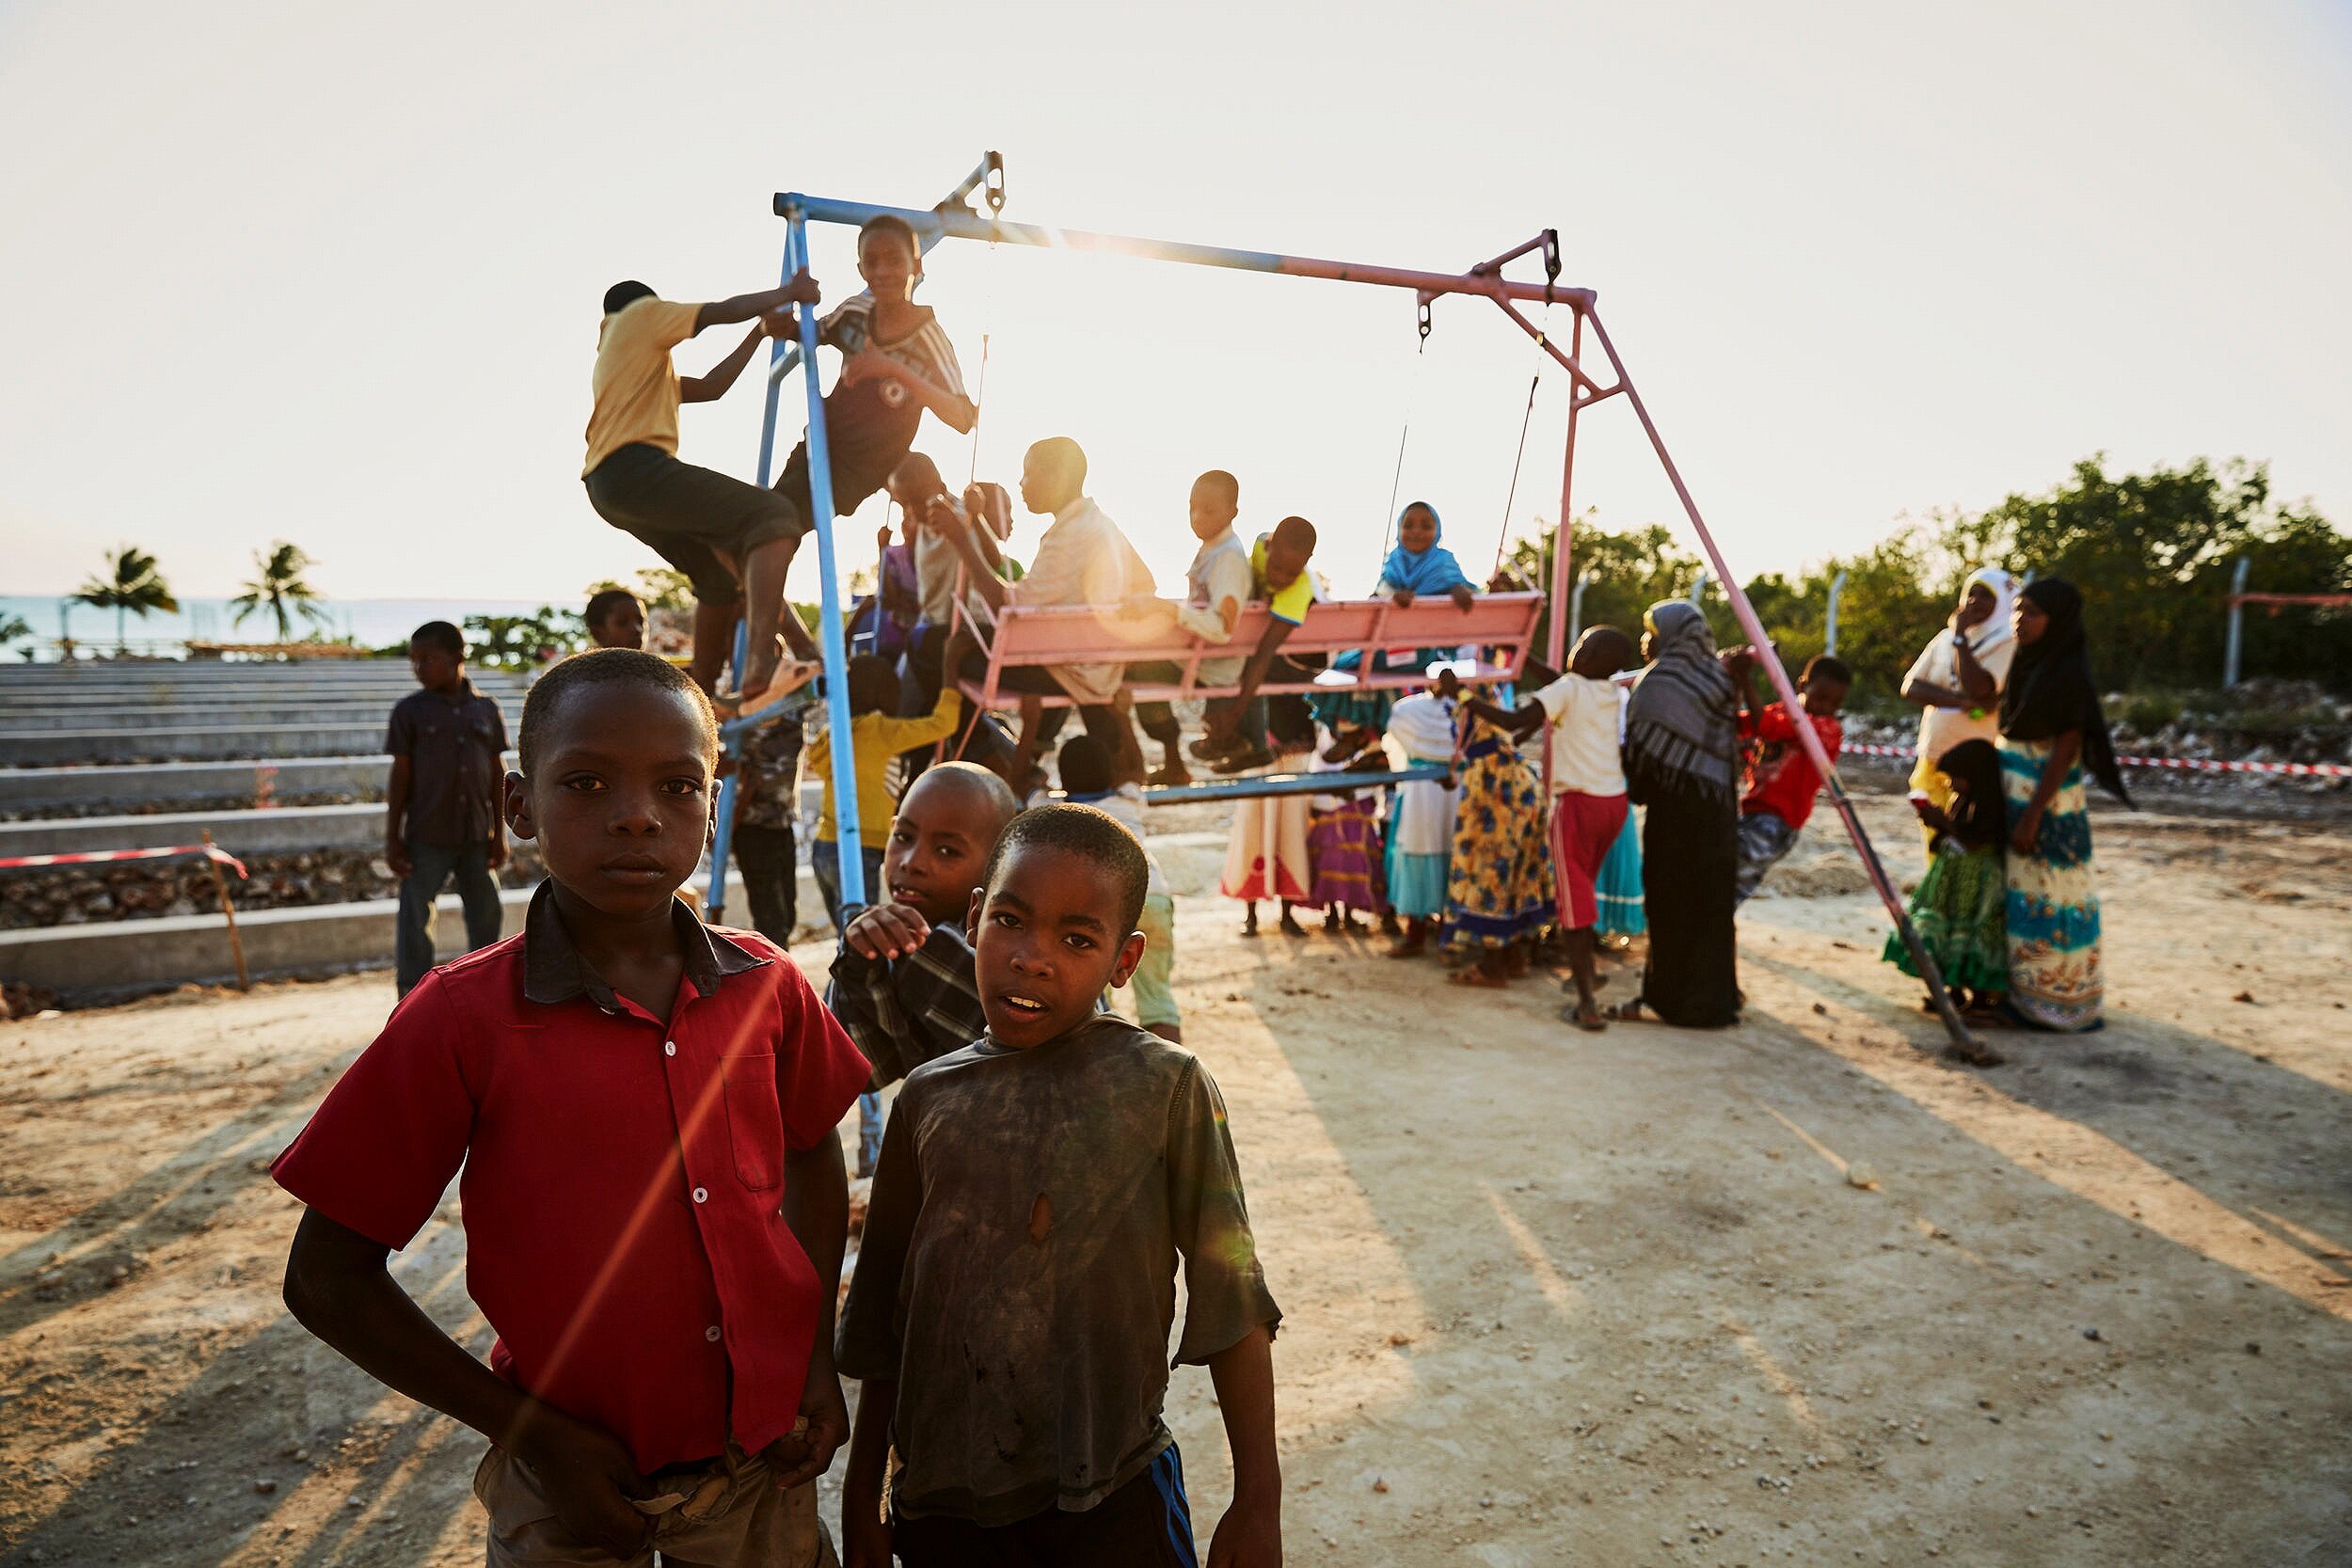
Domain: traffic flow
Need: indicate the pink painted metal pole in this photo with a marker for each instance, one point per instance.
(1963, 1045)
(1568, 361)
(1556, 635)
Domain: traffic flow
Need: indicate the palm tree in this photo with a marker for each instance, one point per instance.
(278, 587)
(132, 586)
(12, 628)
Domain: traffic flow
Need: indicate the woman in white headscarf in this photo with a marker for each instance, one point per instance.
(1958, 679)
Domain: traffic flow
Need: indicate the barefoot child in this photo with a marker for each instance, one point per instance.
(1014, 1292)
(895, 362)
(1782, 780)
(644, 1111)
(725, 536)
(902, 980)
(1588, 803)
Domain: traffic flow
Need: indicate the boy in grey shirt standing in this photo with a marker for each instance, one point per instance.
(1015, 1287)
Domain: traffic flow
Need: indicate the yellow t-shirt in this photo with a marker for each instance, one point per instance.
(1288, 604)
(874, 739)
(634, 385)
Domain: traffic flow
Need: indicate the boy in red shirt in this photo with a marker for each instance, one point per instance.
(1782, 780)
(645, 1110)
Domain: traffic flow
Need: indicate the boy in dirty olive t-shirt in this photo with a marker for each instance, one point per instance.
(1016, 1284)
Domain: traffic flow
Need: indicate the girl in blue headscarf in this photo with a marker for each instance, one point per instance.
(1417, 566)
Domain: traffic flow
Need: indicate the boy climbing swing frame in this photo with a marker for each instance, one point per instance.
(956, 218)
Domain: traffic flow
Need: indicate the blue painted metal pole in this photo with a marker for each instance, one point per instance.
(845, 845)
(1257, 786)
(964, 223)
(730, 737)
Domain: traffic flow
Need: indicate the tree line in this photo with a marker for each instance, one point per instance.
(2154, 554)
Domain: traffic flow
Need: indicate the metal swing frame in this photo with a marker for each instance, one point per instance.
(956, 218)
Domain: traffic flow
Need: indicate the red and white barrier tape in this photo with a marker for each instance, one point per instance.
(208, 851)
(2185, 765)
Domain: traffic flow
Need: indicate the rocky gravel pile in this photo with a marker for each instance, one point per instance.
(131, 890)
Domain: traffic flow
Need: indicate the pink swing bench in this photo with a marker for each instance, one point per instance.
(1500, 626)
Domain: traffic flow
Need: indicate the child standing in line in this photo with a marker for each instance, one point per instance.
(1421, 826)
(1782, 780)
(876, 735)
(1343, 833)
(1588, 794)
(1265, 856)
(1960, 908)
(660, 1273)
(448, 743)
(1011, 1310)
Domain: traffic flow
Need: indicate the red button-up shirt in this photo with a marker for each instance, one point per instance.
(1781, 778)
(623, 1182)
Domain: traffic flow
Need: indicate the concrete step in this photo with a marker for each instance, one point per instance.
(50, 748)
(111, 962)
(33, 789)
(208, 715)
(240, 832)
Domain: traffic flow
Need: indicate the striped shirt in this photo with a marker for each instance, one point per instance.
(926, 351)
(904, 1012)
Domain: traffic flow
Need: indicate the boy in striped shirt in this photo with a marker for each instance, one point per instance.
(895, 362)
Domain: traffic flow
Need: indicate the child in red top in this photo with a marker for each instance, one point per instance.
(1782, 780)
(644, 1110)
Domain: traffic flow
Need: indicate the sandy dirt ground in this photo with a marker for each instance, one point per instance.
(1551, 1298)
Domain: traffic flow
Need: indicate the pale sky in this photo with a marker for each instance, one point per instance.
(331, 272)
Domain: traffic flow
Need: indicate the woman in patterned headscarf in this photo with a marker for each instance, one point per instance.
(1682, 763)
(2053, 732)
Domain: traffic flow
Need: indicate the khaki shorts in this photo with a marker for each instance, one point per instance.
(1155, 994)
(730, 1514)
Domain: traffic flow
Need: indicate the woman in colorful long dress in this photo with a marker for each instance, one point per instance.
(1498, 892)
(1682, 766)
(1265, 857)
(2053, 732)
(1959, 908)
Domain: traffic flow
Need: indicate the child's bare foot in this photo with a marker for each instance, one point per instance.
(1349, 924)
(1627, 1012)
(1331, 919)
(1175, 775)
(1290, 927)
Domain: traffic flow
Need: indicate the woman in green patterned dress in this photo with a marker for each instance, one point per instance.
(2053, 731)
